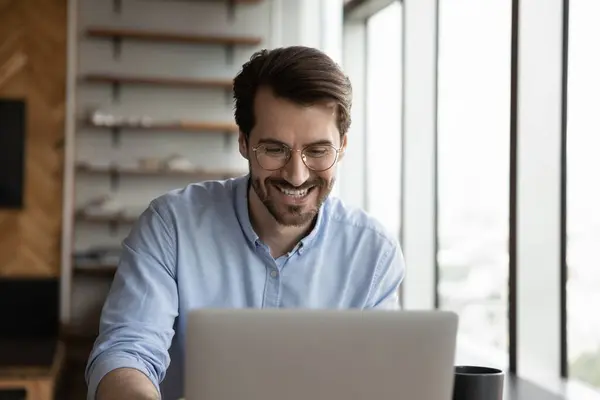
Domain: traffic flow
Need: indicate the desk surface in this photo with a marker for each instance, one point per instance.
(30, 358)
(520, 389)
(27, 352)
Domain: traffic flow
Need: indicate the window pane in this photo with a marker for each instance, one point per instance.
(473, 167)
(583, 192)
(384, 106)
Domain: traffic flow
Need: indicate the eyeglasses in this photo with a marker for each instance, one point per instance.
(316, 157)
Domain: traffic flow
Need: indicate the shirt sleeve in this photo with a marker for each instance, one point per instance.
(384, 293)
(136, 324)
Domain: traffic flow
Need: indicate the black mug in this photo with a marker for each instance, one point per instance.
(477, 383)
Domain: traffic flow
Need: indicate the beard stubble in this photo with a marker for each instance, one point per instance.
(292, 215)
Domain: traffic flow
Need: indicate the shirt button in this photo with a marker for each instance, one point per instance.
(274, 274)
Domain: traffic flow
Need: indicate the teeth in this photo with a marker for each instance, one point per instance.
(294, 193)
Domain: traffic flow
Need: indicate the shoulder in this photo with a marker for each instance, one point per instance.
(195, 198)
(358, 223)
(375, 251)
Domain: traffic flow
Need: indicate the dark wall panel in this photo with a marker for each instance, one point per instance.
(12, 152)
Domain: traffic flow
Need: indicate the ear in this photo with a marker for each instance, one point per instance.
(243, 144)
(343, 146)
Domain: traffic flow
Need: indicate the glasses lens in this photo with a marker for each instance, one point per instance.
(320, 157)
(272, 157)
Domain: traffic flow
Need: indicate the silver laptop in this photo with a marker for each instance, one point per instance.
(283, 354)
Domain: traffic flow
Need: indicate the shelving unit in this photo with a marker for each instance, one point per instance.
(105, 229)
(116, 172)
(117, 81)
(193, 127)
(117, 35)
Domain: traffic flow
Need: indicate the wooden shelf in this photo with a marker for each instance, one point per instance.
(101, 219)
(95, 270)
(160, 36)
(183, 126)
(160, 81)
(74, 332)
(197, 173)
(37, 381)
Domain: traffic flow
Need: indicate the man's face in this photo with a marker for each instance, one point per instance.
(293, 193)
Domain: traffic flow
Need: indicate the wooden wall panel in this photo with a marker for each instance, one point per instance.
(33, 45)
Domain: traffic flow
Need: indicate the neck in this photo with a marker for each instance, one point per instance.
(280, 239)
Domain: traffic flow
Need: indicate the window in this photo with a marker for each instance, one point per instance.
(384, 109)
(463, 226)
(583, 192)
(473, 166)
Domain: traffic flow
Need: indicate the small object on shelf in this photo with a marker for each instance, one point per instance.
(111, 219)
(97, 256)
(150, 163)
(103, 119)
(196, 173)
(177, 162)
(174, 162)
(134, 121)
(102, 206)
(145, 122)
(100, 118)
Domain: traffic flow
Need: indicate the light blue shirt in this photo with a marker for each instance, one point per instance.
(195, 247)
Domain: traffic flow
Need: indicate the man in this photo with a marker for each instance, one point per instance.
(273, 238)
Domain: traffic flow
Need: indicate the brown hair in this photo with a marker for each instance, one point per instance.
(301, 74)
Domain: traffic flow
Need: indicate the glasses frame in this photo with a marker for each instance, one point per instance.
(302, 155)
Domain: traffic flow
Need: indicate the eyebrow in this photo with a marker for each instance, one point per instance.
(275, 141)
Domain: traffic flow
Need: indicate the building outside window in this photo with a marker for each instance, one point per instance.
(384, 109)
(473, 166)
(583, 192)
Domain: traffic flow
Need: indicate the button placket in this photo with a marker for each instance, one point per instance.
(272, 284)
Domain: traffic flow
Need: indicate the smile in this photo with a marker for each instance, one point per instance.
(294, 192)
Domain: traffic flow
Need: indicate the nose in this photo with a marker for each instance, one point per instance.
(295, 171)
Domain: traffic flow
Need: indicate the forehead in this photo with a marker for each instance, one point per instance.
(296, 125)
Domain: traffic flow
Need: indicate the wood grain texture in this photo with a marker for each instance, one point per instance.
(33, 67)
(39, 382)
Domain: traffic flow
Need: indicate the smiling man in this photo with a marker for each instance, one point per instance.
(274, 238)
(292, 147)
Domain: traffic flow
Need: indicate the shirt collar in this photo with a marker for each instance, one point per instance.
(241, 208)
